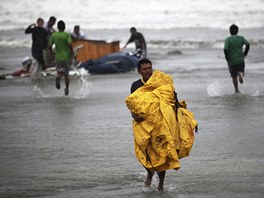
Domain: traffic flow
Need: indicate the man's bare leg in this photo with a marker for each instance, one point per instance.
(148, 180)
(67, 83)
(57, 81)
(161, 180)
(235, 82)
(240, 77)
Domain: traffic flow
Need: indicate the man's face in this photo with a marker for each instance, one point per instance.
(51, 23)
(40, 23)
(146, 71)
(76, 30)
(133, 32)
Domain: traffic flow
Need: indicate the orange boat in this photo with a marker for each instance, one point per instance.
(93, 49)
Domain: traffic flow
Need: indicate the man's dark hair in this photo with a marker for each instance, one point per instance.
(40, 19)
(233, 29)
(61, 25)
(133, 29)
(76, 27)
(143, 62)
(52, 18)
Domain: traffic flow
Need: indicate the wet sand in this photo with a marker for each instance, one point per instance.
(82, 145)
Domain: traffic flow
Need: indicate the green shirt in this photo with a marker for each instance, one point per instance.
(234, 45)
(62, 40)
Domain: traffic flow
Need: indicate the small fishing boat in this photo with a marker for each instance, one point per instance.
(118, 62)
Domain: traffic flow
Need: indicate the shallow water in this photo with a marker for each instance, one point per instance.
(82, 145)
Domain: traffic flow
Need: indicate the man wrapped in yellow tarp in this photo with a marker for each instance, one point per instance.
(163, 127)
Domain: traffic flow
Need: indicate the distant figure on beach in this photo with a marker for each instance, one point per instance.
(77, 34)
(235, 55)
(23, 71)
(39, 43)
(49, 26)
(158, 123)
(139, 41)
(63, 56)
(49, 58)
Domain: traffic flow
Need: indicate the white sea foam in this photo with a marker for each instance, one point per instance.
(153, 14)
(15, 43)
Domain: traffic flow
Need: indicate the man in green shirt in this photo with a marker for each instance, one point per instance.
(63, 56)
(235, 55)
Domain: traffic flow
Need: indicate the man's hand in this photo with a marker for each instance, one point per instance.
(137, 118)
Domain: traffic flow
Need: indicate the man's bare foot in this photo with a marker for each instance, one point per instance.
(160, 189)
(147, 183)
(240, 77)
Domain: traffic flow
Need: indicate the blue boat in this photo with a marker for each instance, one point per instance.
(118, 62)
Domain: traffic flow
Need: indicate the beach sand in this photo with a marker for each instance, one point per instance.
(82, 145)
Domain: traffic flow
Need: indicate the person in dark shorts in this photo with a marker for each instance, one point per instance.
(63, 56)
(235, 56)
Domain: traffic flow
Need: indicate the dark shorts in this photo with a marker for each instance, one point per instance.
(236, 68)
(63, 67)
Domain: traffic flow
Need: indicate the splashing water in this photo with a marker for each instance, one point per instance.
(254, 91)
(38, 93)
(214, 89)
(85, 88)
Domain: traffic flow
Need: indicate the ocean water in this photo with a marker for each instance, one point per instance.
(151, 14)
(164, 23)
(81, 146)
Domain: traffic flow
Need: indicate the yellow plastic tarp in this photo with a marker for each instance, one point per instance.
(162, 138)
